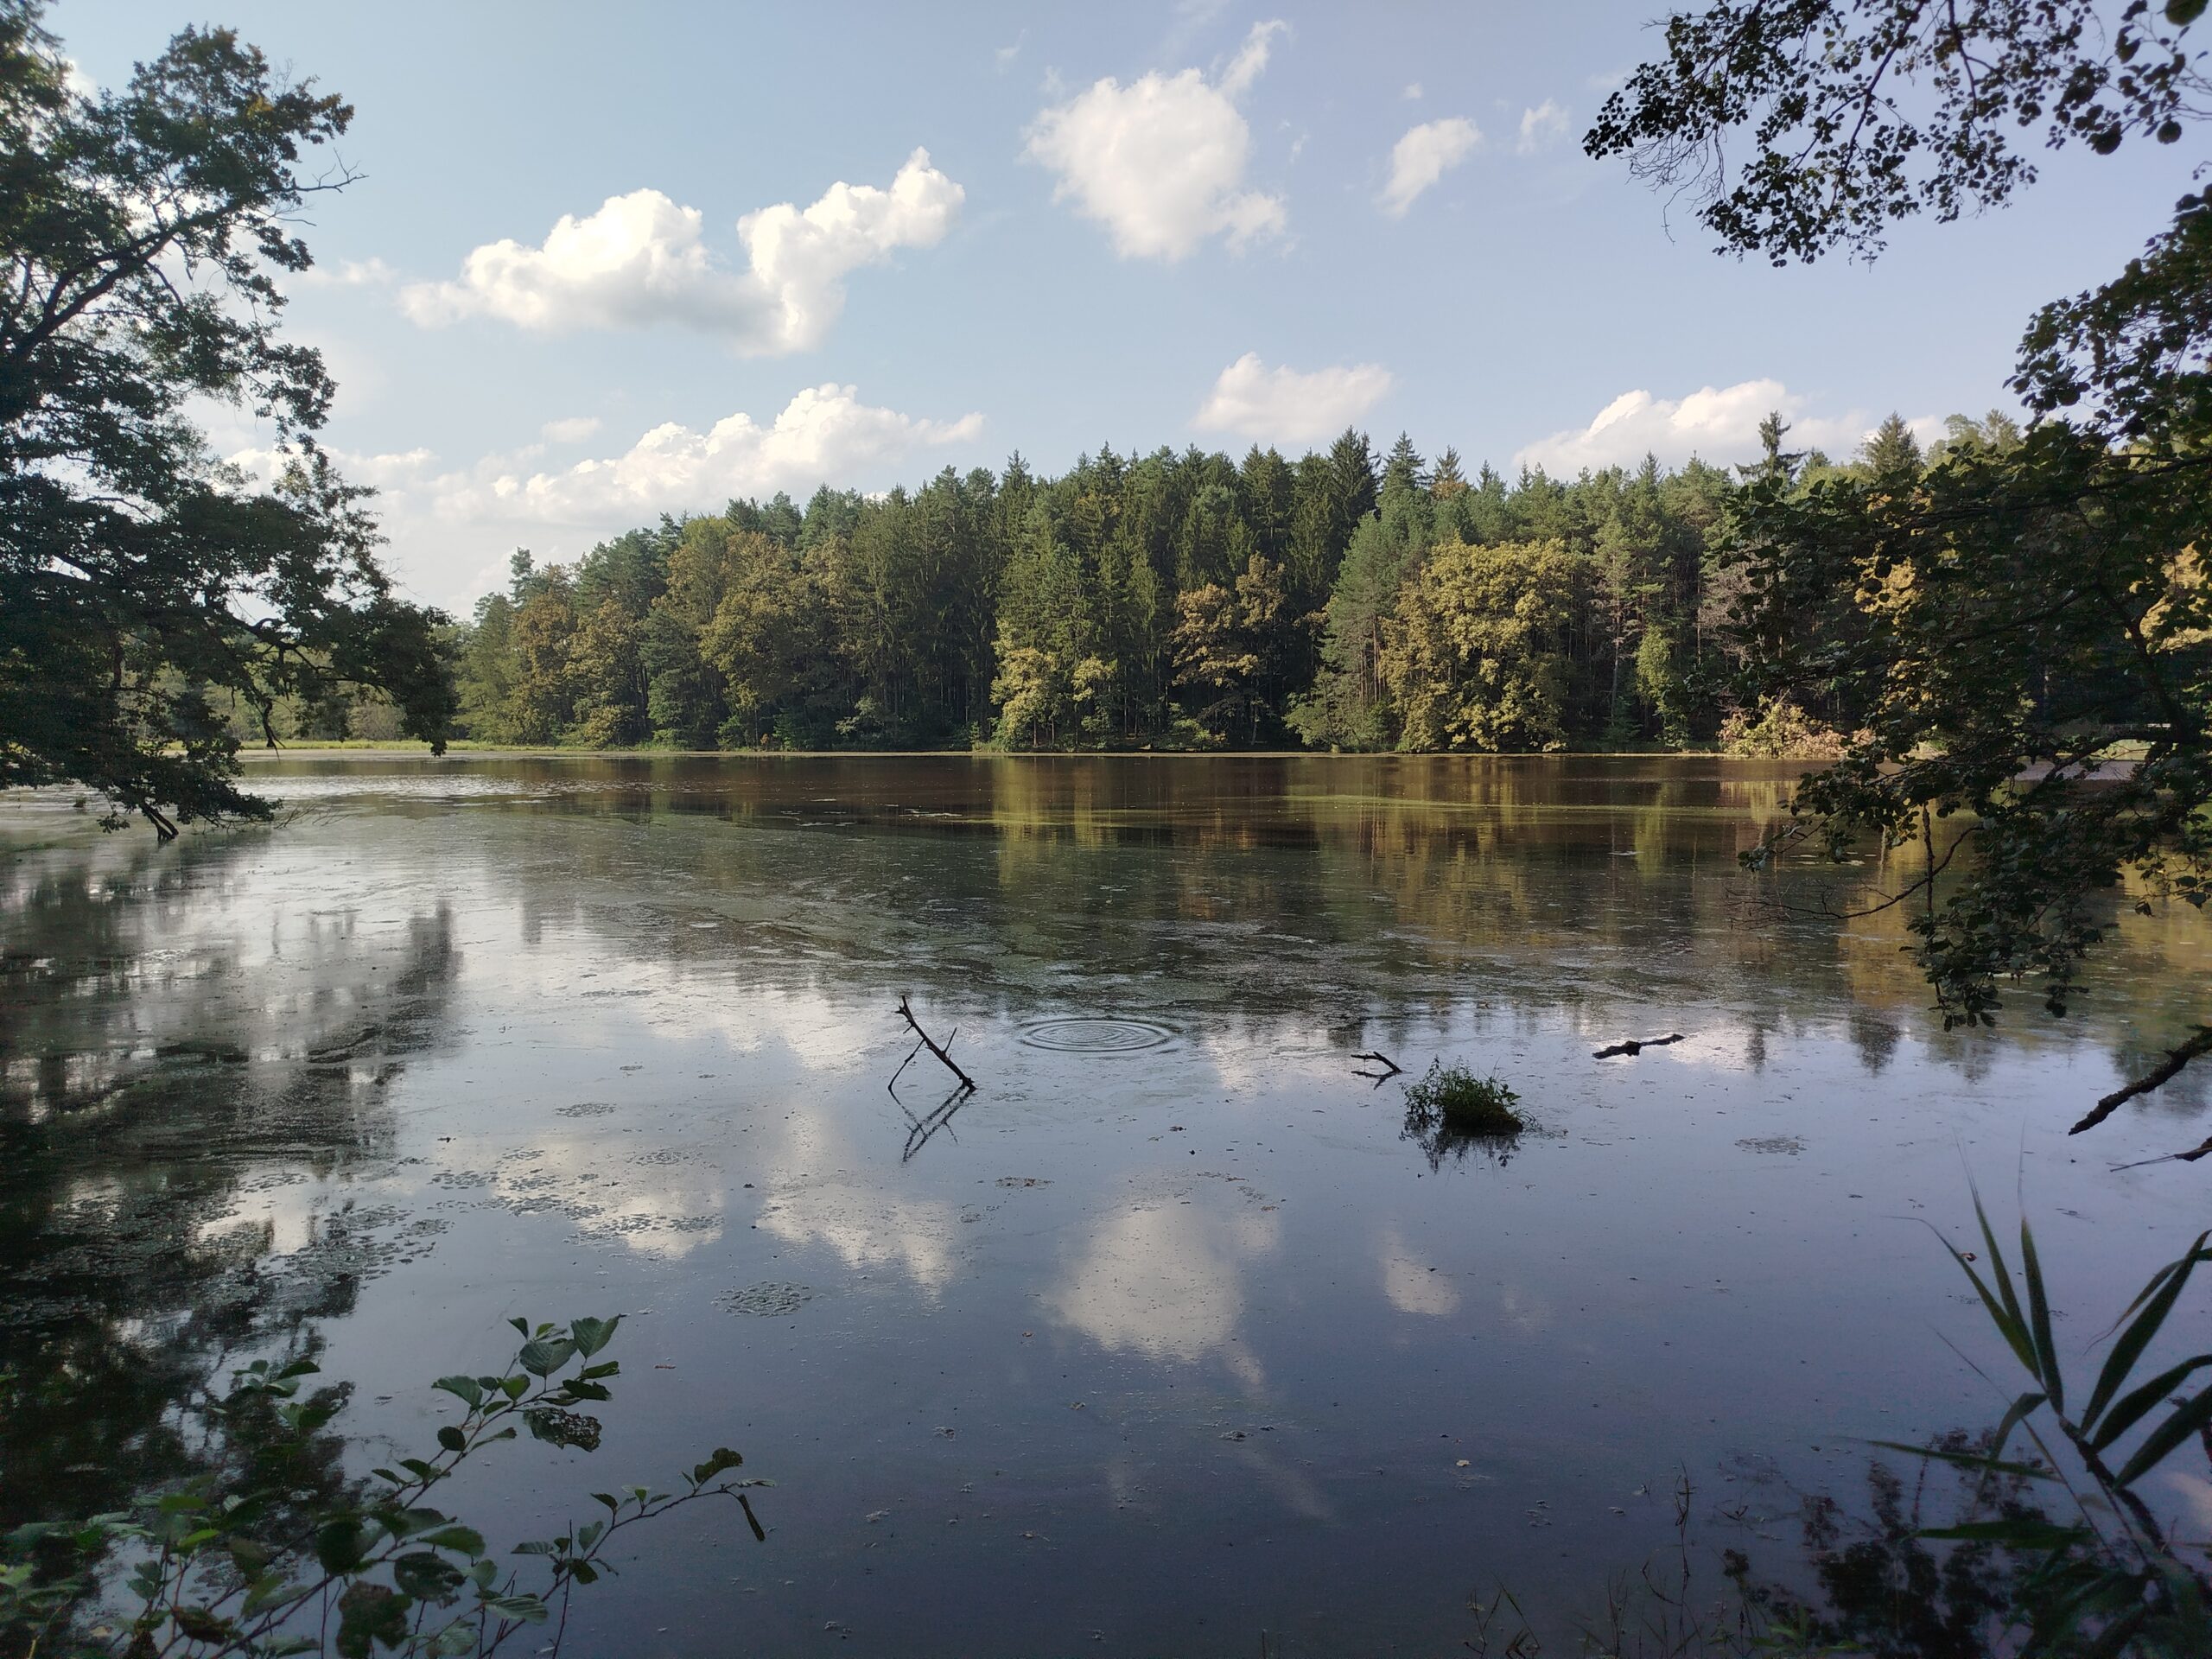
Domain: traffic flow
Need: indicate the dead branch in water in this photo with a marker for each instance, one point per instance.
(1635, 1046)
(2189, 1157)
(967, 1082)
(1380, 1059)
(2162, 1072)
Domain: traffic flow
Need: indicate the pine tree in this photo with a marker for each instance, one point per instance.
(1446, 480)
(1402, 468)
(1775, 462)
(1892, 453)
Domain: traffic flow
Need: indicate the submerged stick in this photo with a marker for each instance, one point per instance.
(929, 1043)
(2162, 1072)
(1635, 1046)
(2189, 1157)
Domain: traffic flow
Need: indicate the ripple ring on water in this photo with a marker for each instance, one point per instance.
(1092, 1036)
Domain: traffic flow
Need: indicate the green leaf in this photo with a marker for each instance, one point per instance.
(2023, 1533)
(339, 1543)
(2132, 1407)
(203, 1623)
(451, 1439)
(426, 1575)
(466, 1389)
(723, 1459)
(583, 1571)
(1967, 1459)
(2004, 1306)
(589, 1335)
(369, 1614)
(2157, 1301)
(542, 1358)
(605, 1368)
(405, 1523)
(2181, 13)
(2183, 1422)
(466, 1540)
(525, 1607)
(559, 1427)
(523, 1326)
(265, 1592)
(614, 1504)
(2039, 1317)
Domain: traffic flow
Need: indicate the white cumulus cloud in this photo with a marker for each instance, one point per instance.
(642, 259)
(824, 433)
(441, 518)
(574, 430)
(1281, 404)
(1717, 424)
(1161, 161)
(1541, 126)
(1423, 157)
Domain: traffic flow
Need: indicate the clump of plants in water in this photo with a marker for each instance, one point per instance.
(1465, 1103)
(1451, 1112)
(230, 1563)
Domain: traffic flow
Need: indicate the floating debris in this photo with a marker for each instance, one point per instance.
(766, 1301)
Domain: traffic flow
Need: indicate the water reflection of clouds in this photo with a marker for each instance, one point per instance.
(867, 1231)
(814, 1201)
(666, 1210)
(1413, 1285)
(1164, 1279)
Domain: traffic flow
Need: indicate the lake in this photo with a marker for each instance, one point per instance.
(1168, 1335)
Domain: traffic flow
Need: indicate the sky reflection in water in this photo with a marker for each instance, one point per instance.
(1163, 1345)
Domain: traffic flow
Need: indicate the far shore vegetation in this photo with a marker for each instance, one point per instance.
(1345, 600)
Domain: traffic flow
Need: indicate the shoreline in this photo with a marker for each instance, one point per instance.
(380, 747)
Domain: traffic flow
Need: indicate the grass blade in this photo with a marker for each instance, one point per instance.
(1967, 1459)
(2039, 1315)
(2005, 1315)
(2015, 1535)
(2155, 1302)
(2187, 1418)
(2021, 1407)
(2123, 1416)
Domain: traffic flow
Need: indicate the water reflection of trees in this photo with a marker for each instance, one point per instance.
(1878, 1585)
(161, 1078)
(1320, 890)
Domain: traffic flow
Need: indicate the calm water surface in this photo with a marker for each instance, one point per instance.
(1168, 1335)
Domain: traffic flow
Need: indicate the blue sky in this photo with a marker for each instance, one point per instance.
(861, 242)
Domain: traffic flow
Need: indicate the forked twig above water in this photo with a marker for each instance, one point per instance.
(905, 1013)
(1635, 1046)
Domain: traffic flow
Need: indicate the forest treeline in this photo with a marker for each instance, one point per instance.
(1344, 600)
